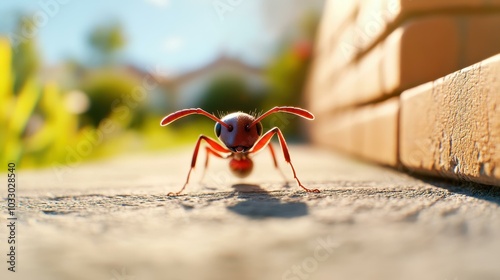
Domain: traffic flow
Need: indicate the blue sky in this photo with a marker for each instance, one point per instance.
(177, 35)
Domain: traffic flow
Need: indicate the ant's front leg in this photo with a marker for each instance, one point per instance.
(213, 144)
(264, 141)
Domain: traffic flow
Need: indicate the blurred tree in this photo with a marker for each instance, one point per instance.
(112, 94)
(25, 60)
(287, 72)
(229, 94)
(107, 40)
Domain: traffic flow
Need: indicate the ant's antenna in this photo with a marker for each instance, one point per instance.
(185, 112)
(285, 109)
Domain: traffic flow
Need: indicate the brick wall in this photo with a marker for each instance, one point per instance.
(392, 82)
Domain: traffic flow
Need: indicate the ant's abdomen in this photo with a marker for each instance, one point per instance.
(241, 167)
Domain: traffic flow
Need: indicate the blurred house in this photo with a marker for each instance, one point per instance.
(186, 90)
(168, 93)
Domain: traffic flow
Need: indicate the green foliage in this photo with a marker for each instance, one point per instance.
(230, 93)
(107, 40)
(25, 60)
(41, 146)
(16, 110)
(286, 75)
(111, 92)
(37, 129)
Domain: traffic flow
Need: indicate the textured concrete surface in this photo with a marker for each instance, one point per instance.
(113, 220)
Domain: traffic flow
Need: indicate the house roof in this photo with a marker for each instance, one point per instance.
(221, 61)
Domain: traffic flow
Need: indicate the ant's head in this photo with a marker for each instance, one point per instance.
(238, 131)
(239, 135)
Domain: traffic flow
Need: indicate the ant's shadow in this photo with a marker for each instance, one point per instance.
(259, 204)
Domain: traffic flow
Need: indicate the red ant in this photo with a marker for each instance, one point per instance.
(241, 135)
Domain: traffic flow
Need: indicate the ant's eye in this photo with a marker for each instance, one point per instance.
(247, 127)
(230, 128)
(217, 129)
(259, 128)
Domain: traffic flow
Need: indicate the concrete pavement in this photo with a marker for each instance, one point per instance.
(113, 220)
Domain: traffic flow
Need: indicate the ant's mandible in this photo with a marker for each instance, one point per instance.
(241, 135)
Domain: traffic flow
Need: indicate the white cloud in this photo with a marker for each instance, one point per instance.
(159, 3)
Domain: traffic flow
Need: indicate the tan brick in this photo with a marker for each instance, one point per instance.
(358, 83)
(349, 89)
(444, 6)
(329, 92)
(369, 81)
(336, 15)
(381, 133)
(349, 28)
(376, 19)
(451, 127)
(391, 66)
(480, 38)
(339, 132)
(420, 51)
(370, 132)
